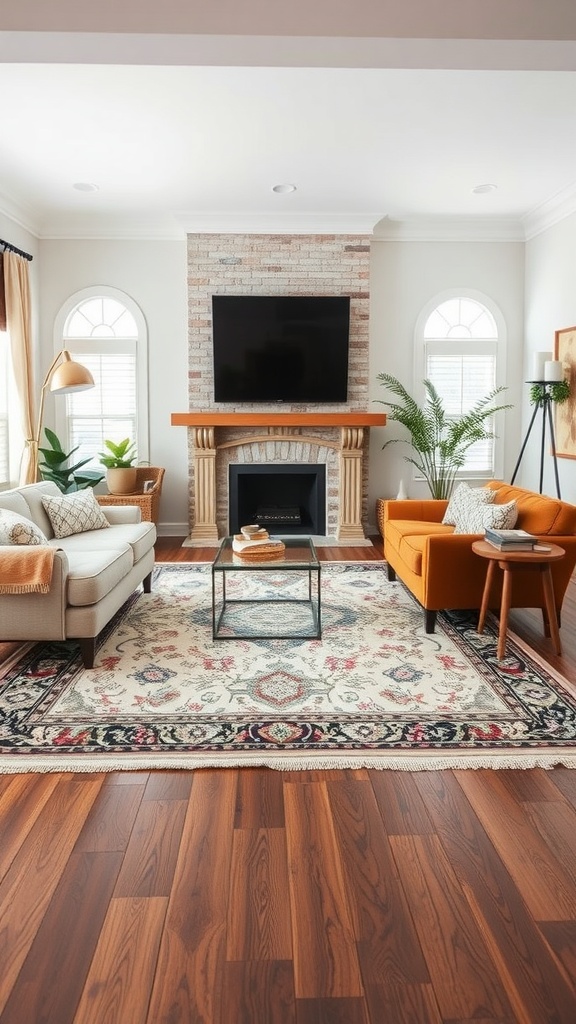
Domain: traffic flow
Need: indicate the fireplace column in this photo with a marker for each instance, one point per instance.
(205, 528)
(350, 517)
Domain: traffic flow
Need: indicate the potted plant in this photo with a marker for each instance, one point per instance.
(120, 470)
(439, 441)
(67, 477)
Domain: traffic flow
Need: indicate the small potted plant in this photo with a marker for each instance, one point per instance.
(120, 469)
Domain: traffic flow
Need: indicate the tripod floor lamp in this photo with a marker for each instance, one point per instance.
(543, 405)
(62, 379)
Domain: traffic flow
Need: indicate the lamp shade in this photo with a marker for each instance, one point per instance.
(70, 376)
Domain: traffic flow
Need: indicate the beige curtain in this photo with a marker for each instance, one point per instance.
(19, 326)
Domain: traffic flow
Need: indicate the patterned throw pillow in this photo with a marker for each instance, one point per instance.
(498, 517)
(466, 498)
(15, 529)
(74, 513)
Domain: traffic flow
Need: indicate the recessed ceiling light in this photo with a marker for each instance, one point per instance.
(480, 189)
(282, 189)
(85, 186)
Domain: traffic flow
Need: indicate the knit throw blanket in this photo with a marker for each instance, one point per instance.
(26, 570)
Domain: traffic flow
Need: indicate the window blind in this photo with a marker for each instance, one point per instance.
(462, 379)
(109, 409)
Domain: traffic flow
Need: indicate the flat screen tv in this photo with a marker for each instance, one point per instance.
(280, 348)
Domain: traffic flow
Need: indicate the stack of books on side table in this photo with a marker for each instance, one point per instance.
(513, 540)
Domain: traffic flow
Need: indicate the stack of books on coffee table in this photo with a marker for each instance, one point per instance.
(255, 543)
(511, 540)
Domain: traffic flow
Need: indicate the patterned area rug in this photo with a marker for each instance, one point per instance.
(375, 691)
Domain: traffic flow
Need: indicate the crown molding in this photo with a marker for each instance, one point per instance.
(549, 213)
(279, 224)
(239, 50)
(449, 229)
(23, 216)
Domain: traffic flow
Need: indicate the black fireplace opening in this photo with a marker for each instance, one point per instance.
(284, 499)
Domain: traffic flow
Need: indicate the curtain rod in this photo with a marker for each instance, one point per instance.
(13, 248)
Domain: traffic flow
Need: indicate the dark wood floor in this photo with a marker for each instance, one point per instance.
(260, 897)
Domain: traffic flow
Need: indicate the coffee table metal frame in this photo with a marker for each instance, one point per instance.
(300, 556)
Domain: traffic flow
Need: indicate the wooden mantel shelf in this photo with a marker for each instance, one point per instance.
(278, 419)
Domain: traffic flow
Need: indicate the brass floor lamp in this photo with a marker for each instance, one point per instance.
(543, 404)
(62, 379)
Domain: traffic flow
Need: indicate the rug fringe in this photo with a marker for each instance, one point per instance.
(409, 762)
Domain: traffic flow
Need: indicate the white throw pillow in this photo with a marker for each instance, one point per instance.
(464, 498)
(16, 529)
(74, 513)
(479, 517)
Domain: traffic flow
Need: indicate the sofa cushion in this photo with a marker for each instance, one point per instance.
(139, 537)
(537, 513)
(93, 574)
(401, 531)
(74, 513)
(466, 498)
(18, 529)
(478, 518)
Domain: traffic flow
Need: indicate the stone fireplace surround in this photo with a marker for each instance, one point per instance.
(276, 264)
(343, 437)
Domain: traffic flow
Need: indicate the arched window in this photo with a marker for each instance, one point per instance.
(106, 331)
(461, 348)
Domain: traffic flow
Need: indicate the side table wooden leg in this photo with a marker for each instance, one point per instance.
(548, 589)
(504, 608)
(486, 595)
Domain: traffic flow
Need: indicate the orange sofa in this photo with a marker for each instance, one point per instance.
(439, 567)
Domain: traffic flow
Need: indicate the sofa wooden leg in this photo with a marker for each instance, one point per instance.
(147, 583)
(430, 618)
(391, 573)
(88, 650)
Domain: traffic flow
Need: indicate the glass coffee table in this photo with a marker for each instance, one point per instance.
(278, 599)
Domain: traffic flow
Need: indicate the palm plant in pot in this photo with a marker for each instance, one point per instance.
(120, 469)
(439, 441)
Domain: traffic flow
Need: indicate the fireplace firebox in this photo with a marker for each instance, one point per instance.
(286, 498)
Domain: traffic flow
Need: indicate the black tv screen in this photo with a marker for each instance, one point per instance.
(280, 348)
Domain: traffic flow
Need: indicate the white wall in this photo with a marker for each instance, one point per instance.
(404, 277)
(154, 275)
(550, 306)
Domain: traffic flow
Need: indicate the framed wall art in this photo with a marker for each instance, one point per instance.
(565, 412)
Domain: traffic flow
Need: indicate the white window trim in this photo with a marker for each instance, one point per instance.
(501, 347)
(59, 342)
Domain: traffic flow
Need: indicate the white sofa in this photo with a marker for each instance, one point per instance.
(93, 574)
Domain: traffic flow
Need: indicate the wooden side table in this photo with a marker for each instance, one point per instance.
(518, 561)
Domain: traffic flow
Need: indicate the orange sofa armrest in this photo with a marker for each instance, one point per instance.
(430, 510)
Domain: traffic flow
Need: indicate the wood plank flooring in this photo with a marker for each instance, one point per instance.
(318, 897)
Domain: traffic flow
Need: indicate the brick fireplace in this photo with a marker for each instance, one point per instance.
(266, 264)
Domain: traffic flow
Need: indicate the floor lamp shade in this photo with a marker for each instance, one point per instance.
(64, 377)
(70, 376)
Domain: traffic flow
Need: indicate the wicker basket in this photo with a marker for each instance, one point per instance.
(148, 502)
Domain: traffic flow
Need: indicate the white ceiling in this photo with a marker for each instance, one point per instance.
(191, 131)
